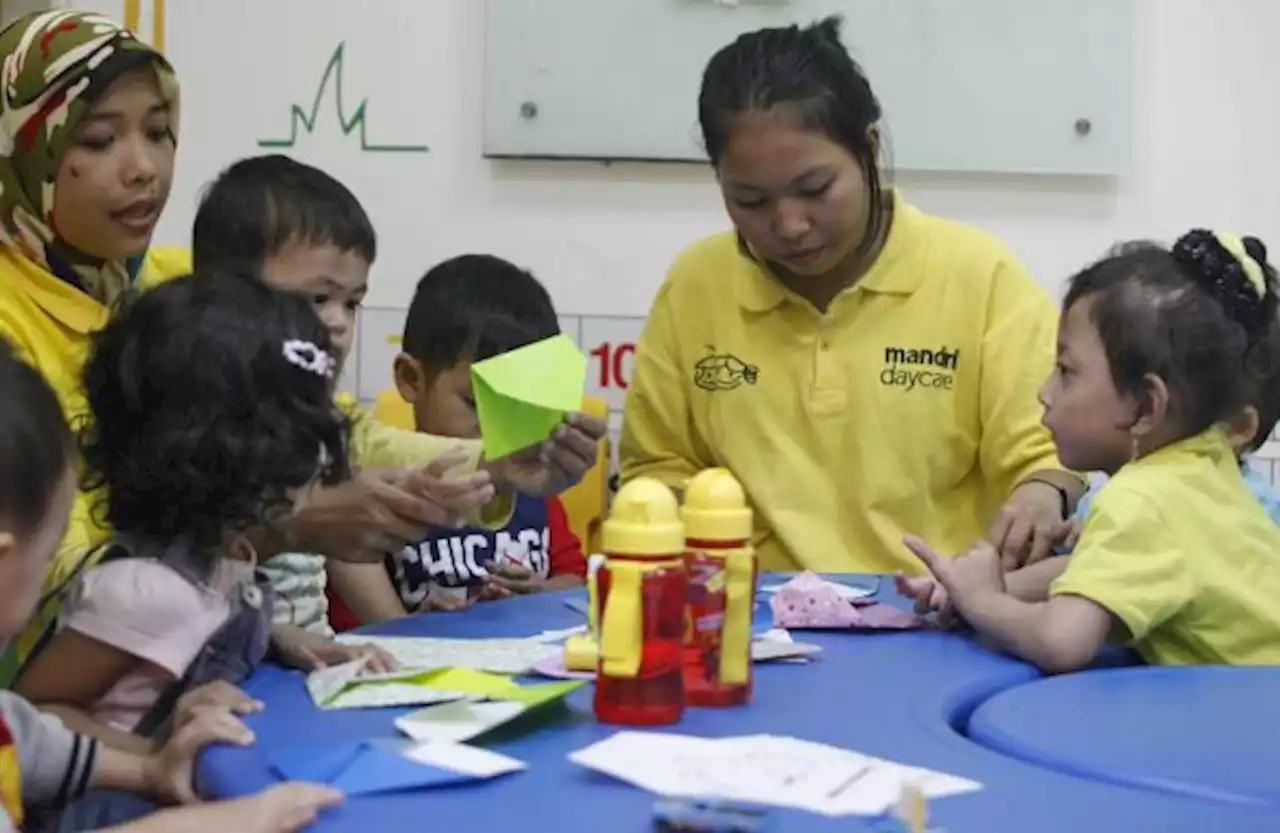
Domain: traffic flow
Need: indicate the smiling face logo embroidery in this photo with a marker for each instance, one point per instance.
(723, 371)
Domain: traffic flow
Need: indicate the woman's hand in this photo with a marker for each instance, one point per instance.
(557, 464)
(1029, 525)
(380, 511)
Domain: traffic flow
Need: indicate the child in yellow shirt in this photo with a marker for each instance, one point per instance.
(1157, 350)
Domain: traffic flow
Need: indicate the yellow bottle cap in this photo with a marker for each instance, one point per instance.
(715, 507)
(644, 520)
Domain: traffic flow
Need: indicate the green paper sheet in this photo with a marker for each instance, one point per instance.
(460, 721)
(465, 682)
(521, 396)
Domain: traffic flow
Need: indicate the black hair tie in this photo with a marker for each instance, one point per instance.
(1217, 270)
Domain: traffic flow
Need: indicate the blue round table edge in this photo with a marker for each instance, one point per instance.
(985, 728)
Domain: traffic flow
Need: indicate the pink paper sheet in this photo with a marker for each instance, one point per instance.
(807, 601)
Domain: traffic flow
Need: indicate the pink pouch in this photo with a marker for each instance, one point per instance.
(807, 601)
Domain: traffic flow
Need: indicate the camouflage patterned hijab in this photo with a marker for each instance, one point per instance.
(55, 64)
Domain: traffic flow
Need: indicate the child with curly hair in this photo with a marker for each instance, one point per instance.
(212, 418)
(51, 778)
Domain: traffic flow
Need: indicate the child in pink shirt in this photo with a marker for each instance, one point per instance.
(212, 418)
(51, 778)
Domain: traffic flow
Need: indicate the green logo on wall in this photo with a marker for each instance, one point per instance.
(304, 121)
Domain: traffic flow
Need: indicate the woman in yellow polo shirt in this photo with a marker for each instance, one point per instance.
(864, 368)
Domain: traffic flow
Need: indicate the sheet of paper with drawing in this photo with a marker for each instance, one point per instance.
(764, 769)
(501, 656)
(521, 396)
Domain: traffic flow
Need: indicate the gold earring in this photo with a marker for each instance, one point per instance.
(1134, 441)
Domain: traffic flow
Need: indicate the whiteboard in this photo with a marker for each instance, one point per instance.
(1029, 86)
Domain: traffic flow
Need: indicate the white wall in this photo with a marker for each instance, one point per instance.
(1207, 152)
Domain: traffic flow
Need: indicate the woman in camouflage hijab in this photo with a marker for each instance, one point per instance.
(88, 130)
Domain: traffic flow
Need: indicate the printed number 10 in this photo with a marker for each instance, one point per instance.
(614, 372)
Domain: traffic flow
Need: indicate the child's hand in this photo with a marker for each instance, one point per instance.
(508, 578)
(441, 600)
(167, 774)
(377, 660)
(217, 694)
(556, 464)
(929, 597)
(312, 651)
(964, 578)
(322, 655)
(283, 808)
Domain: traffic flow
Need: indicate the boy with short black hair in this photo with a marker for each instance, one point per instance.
(305, 232)
(465, 310)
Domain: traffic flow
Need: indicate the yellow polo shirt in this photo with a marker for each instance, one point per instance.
(1181, 553)
(909, 406)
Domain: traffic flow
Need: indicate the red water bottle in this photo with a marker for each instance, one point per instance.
(721, 569)
(641, 594)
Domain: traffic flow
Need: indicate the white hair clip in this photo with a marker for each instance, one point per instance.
(309, 357)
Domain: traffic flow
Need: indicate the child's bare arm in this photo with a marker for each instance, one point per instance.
(1062, 634)
(283, 808)
(367, 590)
(72, 673)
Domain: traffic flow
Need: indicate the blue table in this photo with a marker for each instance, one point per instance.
(895, 695)
(1211, 732)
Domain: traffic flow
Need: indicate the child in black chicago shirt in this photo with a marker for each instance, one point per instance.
(465, 310)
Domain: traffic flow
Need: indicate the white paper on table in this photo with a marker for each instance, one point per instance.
(458, 721)
(471, 760)
(777, 644)
(499, 656)
(764, 769)
(846, 591)
(649, 760)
